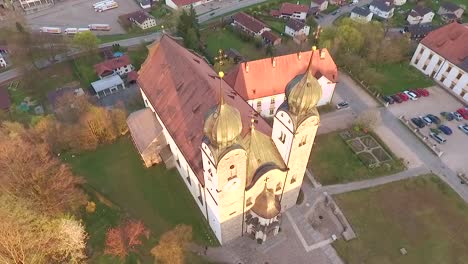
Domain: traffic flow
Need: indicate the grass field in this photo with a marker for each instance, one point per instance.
(332, 161)
(225, 39)
(422, 215)
(400, 77)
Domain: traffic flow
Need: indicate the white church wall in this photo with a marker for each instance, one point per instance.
(328, 88)
(282, 134)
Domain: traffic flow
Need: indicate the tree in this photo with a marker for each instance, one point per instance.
(123, 239)
(190, 39)
(188, 28)
(172, 245)
(368, 120)
(29, 171)
(86, 41)
(48, 46)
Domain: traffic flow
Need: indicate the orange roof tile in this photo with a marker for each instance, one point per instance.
(261, 79)
(112, 64)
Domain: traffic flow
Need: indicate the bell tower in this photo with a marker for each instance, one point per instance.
(294, 128)
(224, 168)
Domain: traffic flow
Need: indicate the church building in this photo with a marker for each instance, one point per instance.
(242, 172)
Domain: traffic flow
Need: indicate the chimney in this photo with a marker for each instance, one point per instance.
(273, 62)
(299, 55)
(322, 54)
(247, 67)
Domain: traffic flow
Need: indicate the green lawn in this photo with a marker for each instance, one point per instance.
(155, 195)
(332, 161)
(422, 215)
(84, 69)
(138, 55)
(401, 77)
(277, 25)
(225, 39)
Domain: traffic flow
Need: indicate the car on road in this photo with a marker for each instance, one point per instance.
(464, 128)
(412, 96)
(426, 120)
(447, 115)
(396, 98)
(418, 122)
(463, 112)
(388, 99)
(445, 129)
(422, 92)
(437, 138)
(457, 116)
(342, 105)
(403, 96)
(434, 119)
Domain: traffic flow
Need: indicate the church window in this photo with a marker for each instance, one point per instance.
(248, 202)
(459, 75)
(293, 179)
(178, 161)
(232, 167)
(278, 186)
(449, 69)
(272, 110)
(259, 103)
(282, 137)
(188, 176)
(272, 102)
(200, 198)
(303, 141)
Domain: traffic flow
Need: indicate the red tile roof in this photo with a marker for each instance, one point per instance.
(294, 24)
(181, 3)
(182, 87)
(450, 42)
(262, 79)
(132, 76)
(112, 64)
(5, 101)
(289, 9)
(249, 22)
(270, 36)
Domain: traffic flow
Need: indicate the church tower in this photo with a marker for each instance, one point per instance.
(224, 169)
(294, 128)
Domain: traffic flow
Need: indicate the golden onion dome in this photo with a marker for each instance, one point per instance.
(223, 124)
(266, 205)
(304, 92)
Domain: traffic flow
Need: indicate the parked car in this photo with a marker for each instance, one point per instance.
(416, 92)
(463, 112)
(342, 105)
(423, 92)
(437, 138)
(464, 128)
(434, 118)
(426, 120)
(396, 98)
(412, 96)
(403, 96)
(388, 99)
(457, 116)
(447, 115)
(445, 129)
(418, 122)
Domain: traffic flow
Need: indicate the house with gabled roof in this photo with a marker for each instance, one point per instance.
(382, 8)
(450, 11)
(420, 15)
(362, 14)
(119, 65)
(249, 24)
(289, 10)
(295, 28)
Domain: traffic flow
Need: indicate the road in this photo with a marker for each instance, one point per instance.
(328, 20)
(224, 9)
(397, 136)
(15, 72)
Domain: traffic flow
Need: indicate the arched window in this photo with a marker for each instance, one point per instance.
(278, 186)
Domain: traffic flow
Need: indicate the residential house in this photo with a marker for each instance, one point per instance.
(337, 2)
(108, 86)
(120, 65)
(321, 5)
(2, 61)
(399, 2)
(270, 38)
(382, 8)
(142, 19)
(450, 11)
(288, 10)
(296, 28)
(185, 4)
(420, 15)
(5, 101)
(30, 6)
(418, 31)
(443, 55)
(262, 82)
(249, 24)
(361, 13)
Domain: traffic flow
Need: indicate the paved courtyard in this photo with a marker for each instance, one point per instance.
(439, 101)
(80, 13)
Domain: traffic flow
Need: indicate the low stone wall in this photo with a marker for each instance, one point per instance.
(348, 232)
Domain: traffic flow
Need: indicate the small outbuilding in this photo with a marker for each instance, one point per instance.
(108, 86)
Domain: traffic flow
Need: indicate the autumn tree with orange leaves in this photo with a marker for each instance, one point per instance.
(123, 239)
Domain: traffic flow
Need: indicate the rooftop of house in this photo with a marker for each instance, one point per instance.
(450, 6)
(420, 11)
(181, 3)
(263, 78)
(270, 36)
(183, 88)
(145, 128)
(295, 24)
(111, 65)
(449, 42)
(289, 8)
(106, 83)
(383, 5)
(139, 16)
(249, 22)
(360, 10)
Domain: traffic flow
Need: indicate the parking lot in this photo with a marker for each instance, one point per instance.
(439, 101)
(80, 13)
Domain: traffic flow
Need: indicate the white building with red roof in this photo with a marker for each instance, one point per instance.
(177, 4)
(443, 55)
(289, 10)
(262, 82)
(120, 65)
